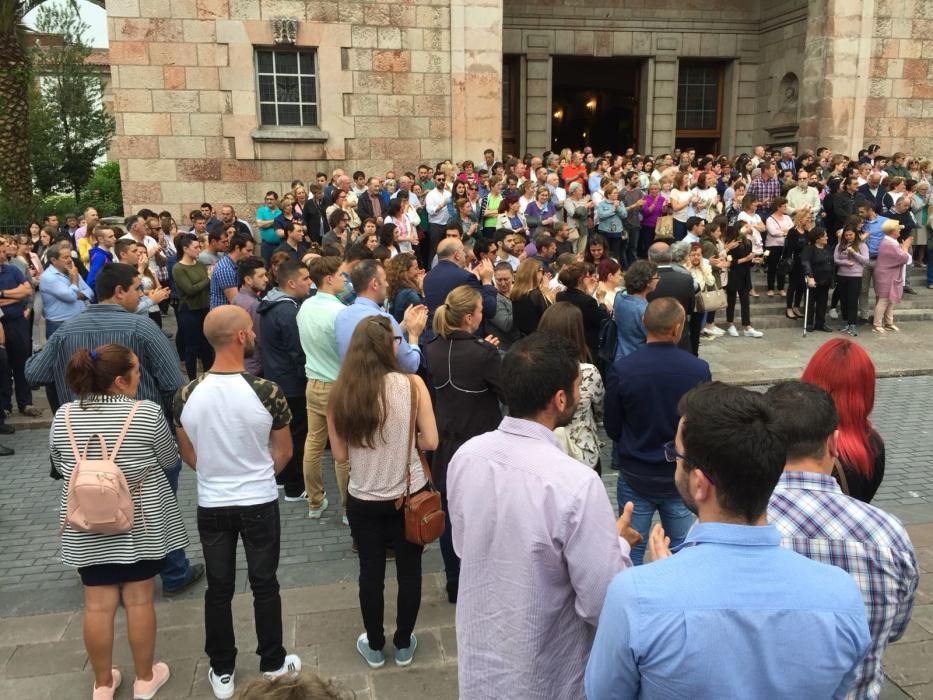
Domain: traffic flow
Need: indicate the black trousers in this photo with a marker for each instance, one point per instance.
(259, 528)
(795, 289)
(743, 301)
(451, 560)
(18, 350)
(435, 236)
(849, 289)
(695, 324)
(645, 239)
(196, 347)
(774, 259)
(816, 313)
(375, 525)
(292, 476)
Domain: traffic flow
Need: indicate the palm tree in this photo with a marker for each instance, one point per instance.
(15, 76)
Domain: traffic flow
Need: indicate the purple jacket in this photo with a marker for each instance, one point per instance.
(850, 266)
(652, 210)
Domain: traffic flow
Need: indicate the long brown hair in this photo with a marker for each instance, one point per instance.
(358, 399)
(566, 320)
(397, 274)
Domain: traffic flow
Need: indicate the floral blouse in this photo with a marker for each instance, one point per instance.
(582, 429)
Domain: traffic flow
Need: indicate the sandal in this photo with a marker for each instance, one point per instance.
(791, 315)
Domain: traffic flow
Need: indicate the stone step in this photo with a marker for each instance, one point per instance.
(777, 308)
(763, 321)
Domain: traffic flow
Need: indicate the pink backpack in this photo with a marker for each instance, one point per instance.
(99, 498)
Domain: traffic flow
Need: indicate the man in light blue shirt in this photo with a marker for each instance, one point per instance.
(369, 282)
(871, 229)
(732, 614)
(64, 293)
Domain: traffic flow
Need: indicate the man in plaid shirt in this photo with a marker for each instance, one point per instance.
(817, 520)
(765, 188)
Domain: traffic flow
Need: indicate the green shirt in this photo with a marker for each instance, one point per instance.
(318, 339)
(193, 285)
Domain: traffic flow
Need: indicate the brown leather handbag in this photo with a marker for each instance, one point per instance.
(424, 519)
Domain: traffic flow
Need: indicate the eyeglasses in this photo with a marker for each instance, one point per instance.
(140, 289)
(398, 339)
(672, 455)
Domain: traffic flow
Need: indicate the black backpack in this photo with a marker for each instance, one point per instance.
(608, 340)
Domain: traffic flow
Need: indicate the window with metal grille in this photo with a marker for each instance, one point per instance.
(699, 96)
(287, 87)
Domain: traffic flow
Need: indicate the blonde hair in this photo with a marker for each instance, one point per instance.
(526, 278)
(450, 315)
(296, 686)
(800, 218)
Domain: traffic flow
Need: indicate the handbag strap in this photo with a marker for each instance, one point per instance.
(411, 438)
(841, 476)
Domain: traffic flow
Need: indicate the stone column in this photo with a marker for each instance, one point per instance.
(476, 77)
(538, 102)
(835, 82)
(662, 103)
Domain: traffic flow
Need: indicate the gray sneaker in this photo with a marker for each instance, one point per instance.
(316, 513)
(375, 659)
(403, 657)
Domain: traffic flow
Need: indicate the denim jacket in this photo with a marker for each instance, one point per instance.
(610, 218)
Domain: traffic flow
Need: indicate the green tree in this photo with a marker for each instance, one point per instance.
(70, 129)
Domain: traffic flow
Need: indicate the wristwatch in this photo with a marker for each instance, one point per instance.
(2, 294)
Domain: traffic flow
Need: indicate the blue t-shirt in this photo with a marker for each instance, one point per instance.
(266, 214)
(11, 278)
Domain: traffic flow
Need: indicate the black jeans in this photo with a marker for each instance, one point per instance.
(774, 259)
(849, 289)
(258, 526)
(451, 560)
(435, 236)
(18, 349)
(292, 476)
(191, 328)
(743, 301)
(816, 312)
(374, 525)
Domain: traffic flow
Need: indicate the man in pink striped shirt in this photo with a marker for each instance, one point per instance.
(534, 530)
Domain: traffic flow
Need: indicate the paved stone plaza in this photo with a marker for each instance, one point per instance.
(40, 599)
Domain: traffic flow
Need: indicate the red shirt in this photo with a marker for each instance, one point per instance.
(573, 172)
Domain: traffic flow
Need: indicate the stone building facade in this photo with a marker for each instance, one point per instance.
(221, 100)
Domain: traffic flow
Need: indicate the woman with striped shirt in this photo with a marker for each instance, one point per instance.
(124, 565)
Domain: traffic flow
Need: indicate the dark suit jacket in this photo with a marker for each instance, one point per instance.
(679, 286)
(364, 207)
(593, 316)
(315, 220)
(877, 200)
(446, 276)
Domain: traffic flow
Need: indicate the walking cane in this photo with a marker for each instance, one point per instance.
(806, 309)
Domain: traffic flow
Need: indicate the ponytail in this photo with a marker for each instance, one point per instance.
(90, 372)
(450, 315)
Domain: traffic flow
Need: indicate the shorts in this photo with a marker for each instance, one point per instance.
(115, 574)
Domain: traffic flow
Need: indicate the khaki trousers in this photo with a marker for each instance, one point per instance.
(884, 313)
(316, 395)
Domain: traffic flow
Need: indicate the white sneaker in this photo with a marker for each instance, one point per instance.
(708, 331)
(717, 331)
(732, 331)
(222, 686)
(752, 333)
(303, 496)
(316, 513)
(292, 665)
(345, 521)
(834, 313)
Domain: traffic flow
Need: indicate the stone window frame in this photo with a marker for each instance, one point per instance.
(289, 132)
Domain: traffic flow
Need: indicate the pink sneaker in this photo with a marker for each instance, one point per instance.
(146, 690)
(106, 693)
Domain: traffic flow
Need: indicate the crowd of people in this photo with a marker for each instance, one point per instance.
(468, 330)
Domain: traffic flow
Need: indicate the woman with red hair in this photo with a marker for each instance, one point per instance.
(843, 369)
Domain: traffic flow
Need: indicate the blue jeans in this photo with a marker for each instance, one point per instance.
(51, 327)
(929, 264)
(177, 568)
(676, 518)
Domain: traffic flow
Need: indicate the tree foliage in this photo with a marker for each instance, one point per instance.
(70, 129)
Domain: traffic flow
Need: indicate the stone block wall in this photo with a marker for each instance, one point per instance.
(899, 106)
(398, 84)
